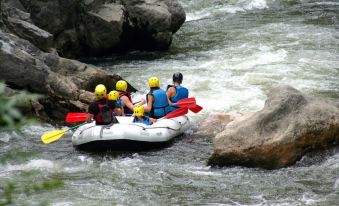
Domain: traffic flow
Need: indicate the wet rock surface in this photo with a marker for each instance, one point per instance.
(65, 83)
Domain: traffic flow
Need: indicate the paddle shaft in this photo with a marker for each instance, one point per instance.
(63, 132)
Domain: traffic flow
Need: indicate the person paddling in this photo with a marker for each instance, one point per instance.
(124, 97)
(102, 109)
(176, 92)
(157, 101)
(139, 116)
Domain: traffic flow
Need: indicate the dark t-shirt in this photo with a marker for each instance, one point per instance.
(93, 108)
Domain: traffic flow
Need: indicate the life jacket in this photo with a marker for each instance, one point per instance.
(127, 111)
(118, 103)
(145, 121)
(105, 115)
(180, 93)
(160, 105)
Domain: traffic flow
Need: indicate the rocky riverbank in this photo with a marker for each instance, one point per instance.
(36, 36)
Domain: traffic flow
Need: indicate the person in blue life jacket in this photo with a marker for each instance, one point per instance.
(139, 116)
(176, 92)
(101, 109)
(157, 101)
(124, 98)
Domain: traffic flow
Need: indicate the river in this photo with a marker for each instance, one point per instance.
(231, 54)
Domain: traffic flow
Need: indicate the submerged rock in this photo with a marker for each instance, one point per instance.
(290, 125)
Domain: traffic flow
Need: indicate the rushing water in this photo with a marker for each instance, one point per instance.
(231, 54)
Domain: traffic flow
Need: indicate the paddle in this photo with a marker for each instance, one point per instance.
(52, 136)
(187, 102)
(176, 113)
(196, 109)
(72, 117)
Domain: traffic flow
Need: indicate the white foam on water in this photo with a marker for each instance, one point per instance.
(197, 15)
(37, 164)
(261, 58)
(310, 199)
(62, 204)
(336, 185)
(256, 4)
(231, 8)
(5, 137)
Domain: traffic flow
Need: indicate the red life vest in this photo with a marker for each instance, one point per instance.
(105, 115)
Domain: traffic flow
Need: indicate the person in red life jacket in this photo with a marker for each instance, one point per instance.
(139, 116)
(102, 109)
(157, 101)
(124, 97)
(176, 92)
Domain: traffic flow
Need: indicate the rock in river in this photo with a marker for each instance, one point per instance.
(290, 125)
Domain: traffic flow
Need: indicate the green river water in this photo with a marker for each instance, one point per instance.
(231, 52)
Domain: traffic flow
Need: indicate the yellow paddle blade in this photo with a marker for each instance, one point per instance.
(52, 136)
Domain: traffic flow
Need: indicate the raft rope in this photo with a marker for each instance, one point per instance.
(144, 128)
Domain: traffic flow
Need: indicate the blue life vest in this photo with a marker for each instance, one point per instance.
(145, 121)
(119, 103)
(160, 105)
(180, 93)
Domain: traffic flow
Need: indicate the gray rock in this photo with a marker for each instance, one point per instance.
(214, 123)
(104, 27)
(96, 27)
(178, 14)
(30, 32)
(16, 13)
(63, 81)
(290, 125)
(150, 24)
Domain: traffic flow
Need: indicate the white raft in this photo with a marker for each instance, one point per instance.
(127, 135)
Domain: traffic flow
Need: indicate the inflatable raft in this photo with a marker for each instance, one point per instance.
(127, 135)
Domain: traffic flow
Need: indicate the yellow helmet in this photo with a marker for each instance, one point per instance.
(139, 111)
(100, 91)
(153, 82)
(113, 95)
(121, 85)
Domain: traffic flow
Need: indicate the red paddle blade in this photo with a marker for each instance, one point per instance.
(176, 113)
(76, 117)
(196, 109)
(187, 102)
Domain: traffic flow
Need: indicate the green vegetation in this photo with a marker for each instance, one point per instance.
(26, 185)
(10, 191)
(17, 156)
(10, 115)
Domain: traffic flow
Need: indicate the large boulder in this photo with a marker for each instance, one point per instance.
(66, 83)
(290, 125)
(104, 27)
(151, 22)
